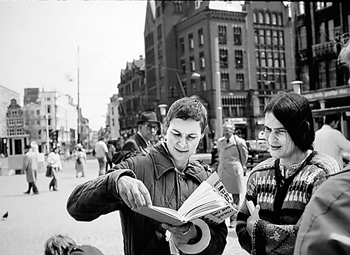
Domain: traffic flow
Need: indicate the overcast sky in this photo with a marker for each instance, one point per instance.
(39, 41)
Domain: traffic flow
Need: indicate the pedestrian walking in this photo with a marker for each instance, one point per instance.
(54, 162)
(147, 126)
(233, 156)
(30, 167)
(163, 177)
(281, 187)
(110, 154)
(101, 155)
(64, 245)
(80, 161)
(329, 140)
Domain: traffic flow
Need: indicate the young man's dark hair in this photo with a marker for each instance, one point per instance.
(331, 117)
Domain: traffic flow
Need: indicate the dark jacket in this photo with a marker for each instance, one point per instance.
(135, 143)
(143, 235)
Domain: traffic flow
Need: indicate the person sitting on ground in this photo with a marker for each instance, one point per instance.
(64, 245)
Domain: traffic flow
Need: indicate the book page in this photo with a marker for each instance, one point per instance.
(162, 214)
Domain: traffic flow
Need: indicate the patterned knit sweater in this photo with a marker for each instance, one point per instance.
(282, 202)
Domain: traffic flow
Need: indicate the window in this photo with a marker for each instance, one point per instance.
(239, 58)
(282, 60)
(223, 56)
(222, 34)
(267, 18)
(159, 31)
(261, 18)
(263, 58)
(19, 122)
(274, 19)
(255, 18)
(184, 86)
(321, 33)
(38, 122)
(330, 33)
(225, 80)
(190, 41)
(182, 44)
(301, 8)
(183, 65)
(280, 19)
(178, 6)
(193, 84)
(274, 38)
(197, 4)
(281, 37)
(192, 64)
(200, 37)
(302, 39)
(257, 57)
(276, 59)
(49, 121)
(201, 60)
(37, 112)
(48, 108)
(256, 39)
(203, 83)
(269, 59)
(112, 110)
(268, 37)
(112, 122)
(332, 73)
(10, 122)
(237, 35)
(240, 80)
(160, 50)
(158, 11)
(262, 36)
(48, 99)
(322, 76)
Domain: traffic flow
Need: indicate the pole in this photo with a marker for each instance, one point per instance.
(180, 83)
(47, 132)
(66, 130)
(217, 80)
(78, 107)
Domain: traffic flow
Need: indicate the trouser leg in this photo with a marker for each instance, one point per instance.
(35, 188)
(102, 165)
(236, 201)
(29, 188)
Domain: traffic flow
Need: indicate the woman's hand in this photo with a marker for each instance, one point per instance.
(252, 219)
(133, 192)
(182, 234)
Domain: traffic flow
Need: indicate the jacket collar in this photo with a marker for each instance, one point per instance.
(164, 163)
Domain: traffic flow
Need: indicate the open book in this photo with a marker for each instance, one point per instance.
(210, 201)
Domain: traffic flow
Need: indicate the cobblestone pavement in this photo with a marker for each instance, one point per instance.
(34, 218)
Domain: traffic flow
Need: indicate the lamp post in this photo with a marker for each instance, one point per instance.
(297, 86)
(218, 131)
(162, 109)
(78, 106)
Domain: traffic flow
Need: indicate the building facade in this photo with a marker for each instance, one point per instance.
(113, 114)
(31, 95)
(321, 29)
(6, 95)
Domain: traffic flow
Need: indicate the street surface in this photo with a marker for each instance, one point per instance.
(34, 218)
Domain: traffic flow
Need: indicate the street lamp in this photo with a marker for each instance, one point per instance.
(297, 86)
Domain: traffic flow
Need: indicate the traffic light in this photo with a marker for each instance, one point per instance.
(53, 135)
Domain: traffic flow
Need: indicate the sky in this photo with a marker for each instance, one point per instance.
(39, 48)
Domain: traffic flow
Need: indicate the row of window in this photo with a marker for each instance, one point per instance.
(225, 81)
(319, 6)
(272, 81)
(270, 59)
(16, 131)
(268, 18)
(14, 122)
(237, 35)
(269, 37)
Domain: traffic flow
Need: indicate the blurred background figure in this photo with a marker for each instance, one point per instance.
(30, 167)
(80, 161)
(110, 154)
(64, 245)
(101, 155)
(54, 161)
(233, 156)
(329, 140)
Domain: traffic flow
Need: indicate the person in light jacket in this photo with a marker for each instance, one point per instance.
(233, 156)
(30, 167)
(54, 161)
(80, 161)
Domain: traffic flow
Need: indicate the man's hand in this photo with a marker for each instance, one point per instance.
(252, 219)
(133, 192)
(182, 234)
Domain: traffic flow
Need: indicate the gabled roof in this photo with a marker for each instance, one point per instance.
(138, 62)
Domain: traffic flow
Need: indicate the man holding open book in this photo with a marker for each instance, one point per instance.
(164, 177)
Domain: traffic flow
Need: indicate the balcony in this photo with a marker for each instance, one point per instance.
(323, 49)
